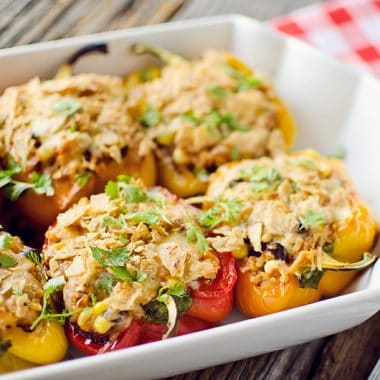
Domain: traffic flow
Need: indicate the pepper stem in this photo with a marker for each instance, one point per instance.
(329, 263)
(164, 55)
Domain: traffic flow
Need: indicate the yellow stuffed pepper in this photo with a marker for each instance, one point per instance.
(204, 113)
(63, 139)
(29, 335)
(301, 232)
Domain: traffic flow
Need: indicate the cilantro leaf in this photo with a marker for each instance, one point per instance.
(115, 257)
(132, 193)
(124, 274)
(248, 83)
(68, 106)
(82, 178)
(195, 235)
(264, 179)
(222, 211)
(189, 116)
(34, 256)
(5, 241)
(312, 218)
(14, 190)
(105, 283)
(112, 190)
(7, 261)
(217, 91)
(150, 118)
(54, 285)
(114, 222)
(147, 217)
(42, 184)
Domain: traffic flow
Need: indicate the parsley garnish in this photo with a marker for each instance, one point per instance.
(5, 241)
(132, 194)
(222, 211)
(201, 174)
(112, 258)
(148, 217)
(34, 256)
(312, 218)
(245, 81)
(125, 274)
(150, 118)
(234, 154)
(54, 285)
(106, 283)
(7, 261)
(264, 179)
(217, 91)
(67, 106)
(195, 235)
(82, 178)
(114, 222)
(41, 182)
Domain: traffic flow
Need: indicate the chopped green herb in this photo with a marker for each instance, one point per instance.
(132, 194)
(115, 257)
(147, 217)
(248, 83)
(234, 154)
(34, 256)
(5, 241)
(106, 283)
(146, 74)
(73, 127)
(293, 186)
(201, 174)
(54, 285)
(177, 288)
(231, 122)
(112, 190)
(124, 274)
(114, 222)
(7, 261)
(195, 235)
(123, 238)
(306, 163)
(67, 106)
(94, 299)
(42, 184)
(222, 211)
(264, 179)
(189, 116)
(312, 218)
(17, 291)
(311, 279)
(340, 153)
(150, 118)
(217, 91)
(213, 120)
(231, 71)
(82, 178)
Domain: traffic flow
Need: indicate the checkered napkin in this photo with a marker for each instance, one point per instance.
(346, 29)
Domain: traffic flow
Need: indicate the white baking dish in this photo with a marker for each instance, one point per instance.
(333, 106)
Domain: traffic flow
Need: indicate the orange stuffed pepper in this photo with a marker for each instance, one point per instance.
(301, 233)
(64, 138)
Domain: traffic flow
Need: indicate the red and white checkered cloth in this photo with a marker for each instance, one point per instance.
(346, 29)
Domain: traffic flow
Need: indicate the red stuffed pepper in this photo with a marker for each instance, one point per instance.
(137, 267)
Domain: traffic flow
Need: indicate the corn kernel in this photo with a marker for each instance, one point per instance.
(99, 308)
(166, 139)
(102, 325)
(240, 252)
(84, 316)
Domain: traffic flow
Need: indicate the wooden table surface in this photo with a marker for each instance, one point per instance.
(349, 355)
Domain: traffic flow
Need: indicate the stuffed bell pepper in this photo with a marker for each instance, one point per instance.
(204, 113)
(301, 232)
(64, 138)
(29, 332)
(136, 268)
